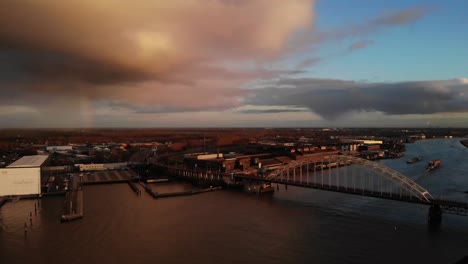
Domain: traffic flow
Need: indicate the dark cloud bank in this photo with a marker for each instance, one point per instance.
(333, 98)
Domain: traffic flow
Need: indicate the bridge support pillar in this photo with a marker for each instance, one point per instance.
(435, 215)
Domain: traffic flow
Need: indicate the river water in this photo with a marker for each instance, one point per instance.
(293, 226)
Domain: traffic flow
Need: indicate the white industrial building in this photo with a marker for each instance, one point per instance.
(23, 176)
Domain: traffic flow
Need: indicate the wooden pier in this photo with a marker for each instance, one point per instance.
(148, 190)
(157, 195)
(134, 187)
(73, 205)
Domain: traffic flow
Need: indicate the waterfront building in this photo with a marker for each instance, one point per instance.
(22, 177)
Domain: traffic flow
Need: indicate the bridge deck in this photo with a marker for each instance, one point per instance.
(451, 207)
(348, 190)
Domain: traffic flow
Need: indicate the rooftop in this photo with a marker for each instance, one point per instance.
(29, 161)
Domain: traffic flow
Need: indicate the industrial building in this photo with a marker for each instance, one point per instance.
(23, 176)
(206, 161)
(102, 166)
(59, 148)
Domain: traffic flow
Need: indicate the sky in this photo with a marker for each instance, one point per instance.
(233, 63)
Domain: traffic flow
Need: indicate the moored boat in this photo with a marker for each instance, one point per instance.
(433, 164)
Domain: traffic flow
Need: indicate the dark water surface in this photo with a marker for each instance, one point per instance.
(293, 226)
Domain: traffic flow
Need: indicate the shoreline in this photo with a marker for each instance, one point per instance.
(464, 142)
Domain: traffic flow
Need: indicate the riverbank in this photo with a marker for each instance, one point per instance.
(464, 142)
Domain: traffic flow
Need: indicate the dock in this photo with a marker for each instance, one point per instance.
(59, 193)
(3, 200)
(134, 187)
(184, 193)
(105, 177)
(156, 180)
(208, 190)
(148, 190)
(73, 205)
(157, 195)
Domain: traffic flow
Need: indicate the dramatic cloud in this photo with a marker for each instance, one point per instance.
(272, 111)
(78, 59)
(251, 109)
(402, 17)
(389, 19)
(307, 63)
(172, 53)
(334, 98)
(359, 45)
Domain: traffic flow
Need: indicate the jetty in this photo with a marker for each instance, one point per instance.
(134, 187)
(73, 205)
(185, 193)
(157, 195)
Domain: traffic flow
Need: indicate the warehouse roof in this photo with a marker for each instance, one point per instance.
(29, 161)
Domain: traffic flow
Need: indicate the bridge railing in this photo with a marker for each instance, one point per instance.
(380, 176)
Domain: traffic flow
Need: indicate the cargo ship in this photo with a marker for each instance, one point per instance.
(433, 164)
(413, 160)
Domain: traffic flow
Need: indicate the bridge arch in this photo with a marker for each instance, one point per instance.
(396, 177)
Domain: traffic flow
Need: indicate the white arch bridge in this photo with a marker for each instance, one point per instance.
(353, 175)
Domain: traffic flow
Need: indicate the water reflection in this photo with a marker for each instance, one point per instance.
(293, 226)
